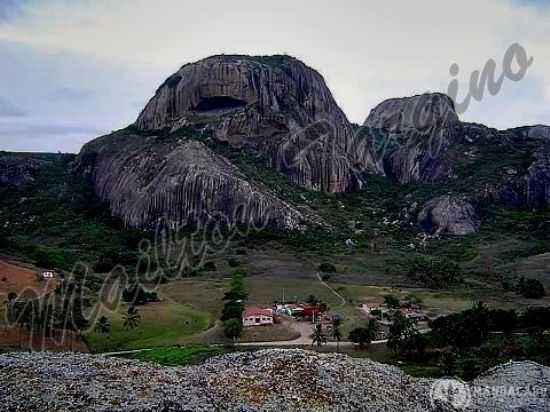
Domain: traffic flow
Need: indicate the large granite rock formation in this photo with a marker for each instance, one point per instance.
(273, 105)
(420, 139)
(412, 136)
(448, 215)
(148, 178)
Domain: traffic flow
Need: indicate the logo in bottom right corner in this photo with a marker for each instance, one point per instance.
(450, 392)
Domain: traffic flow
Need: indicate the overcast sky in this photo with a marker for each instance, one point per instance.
(71, 70)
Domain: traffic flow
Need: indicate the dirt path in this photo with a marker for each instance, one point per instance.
(325, 284)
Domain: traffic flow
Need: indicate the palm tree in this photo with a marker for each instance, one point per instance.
(132, 318)
(336, 332)
(318, 337)
(103, 327)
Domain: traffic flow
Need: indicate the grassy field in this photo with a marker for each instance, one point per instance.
(162, 324)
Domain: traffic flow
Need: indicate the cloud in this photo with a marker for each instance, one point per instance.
(9, 110)
(107, 55)
(539, 4)
(69, 93)
(46, 137)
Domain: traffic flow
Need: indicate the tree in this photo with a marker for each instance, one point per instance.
(232, 328)
(392, 301)
(336, 332)
(103, 326)
(448, 363)
(232, 310)
(405, 338)
(463, 330)
(312, 300)
(132, 318)
(531, 288)
(364, 336)
(503, 320)
(318, 337)
(237, 290)
(435, 273)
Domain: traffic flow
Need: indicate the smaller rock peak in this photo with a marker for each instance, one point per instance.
(417, 112)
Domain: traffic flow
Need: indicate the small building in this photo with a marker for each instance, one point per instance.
(47, 275)
(257, 317)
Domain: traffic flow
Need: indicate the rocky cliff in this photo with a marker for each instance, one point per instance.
(180, 180)
(273, 105)
(420, 140)
(18, 170)
(275, 108)
(413, 136)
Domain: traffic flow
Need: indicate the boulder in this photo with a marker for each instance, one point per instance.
(448, 215)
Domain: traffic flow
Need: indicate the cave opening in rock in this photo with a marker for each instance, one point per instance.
(219, 103)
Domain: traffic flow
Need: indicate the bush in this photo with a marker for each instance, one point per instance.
(209, 267)
(502, 320)
(392, 301)
(105, 262)
(232, 328)
(536, 318)
(49, 258)
(465, 329)
(136, 295)
(327, 267)
(233, 262)
(531, 288)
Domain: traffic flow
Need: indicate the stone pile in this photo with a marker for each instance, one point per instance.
(267, 380)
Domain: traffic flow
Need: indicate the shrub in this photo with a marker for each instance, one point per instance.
(232, 328)
(502, 320)
(465, 329)
(233, 262)
(435, 272)
(536, 318)
(531, 288)
(327, 267)
(392, 301)
(136, 295)
(49, 258)
(209, 267)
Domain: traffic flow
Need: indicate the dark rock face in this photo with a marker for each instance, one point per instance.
(276, 106)
(538, 180)
(448, 215)
(16, 171)
(415, 133)
(147, 178)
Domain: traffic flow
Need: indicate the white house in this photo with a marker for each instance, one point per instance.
(48, 275)
(257, 317)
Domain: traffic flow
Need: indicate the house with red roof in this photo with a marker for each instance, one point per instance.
(257, 316)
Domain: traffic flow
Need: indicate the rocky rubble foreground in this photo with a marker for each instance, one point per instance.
(267, 380)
